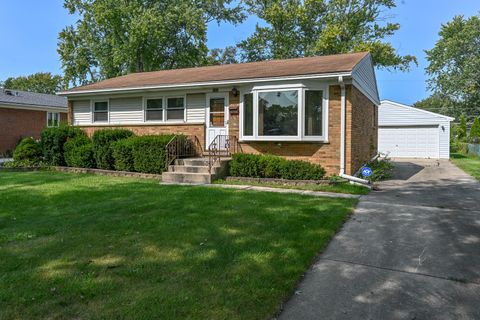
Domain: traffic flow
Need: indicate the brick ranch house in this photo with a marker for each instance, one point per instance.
(25, 114)
(307, 108)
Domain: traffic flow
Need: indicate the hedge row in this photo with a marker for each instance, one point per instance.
(268, 166)
(141, 154)
(108, 149)
(53, 140)
(79, 152)
(102, 146)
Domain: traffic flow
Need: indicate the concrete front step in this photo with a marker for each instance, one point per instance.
(198, 162)
(186, 177)
(194, 170)
(191, 169)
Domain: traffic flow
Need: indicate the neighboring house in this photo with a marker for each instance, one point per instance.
(408, 132)
(307, 108)
(25, 114)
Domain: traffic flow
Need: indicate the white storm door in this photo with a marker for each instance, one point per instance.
(217, 118)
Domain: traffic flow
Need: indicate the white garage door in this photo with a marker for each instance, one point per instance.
(409, 142)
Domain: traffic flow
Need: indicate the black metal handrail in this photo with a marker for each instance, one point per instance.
(181, 146)
(223, 146)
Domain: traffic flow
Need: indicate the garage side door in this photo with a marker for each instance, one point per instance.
(409, 142)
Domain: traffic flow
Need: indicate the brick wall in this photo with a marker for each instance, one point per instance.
(364, 124)
(325, 154)
(361, 136)
(16, 124)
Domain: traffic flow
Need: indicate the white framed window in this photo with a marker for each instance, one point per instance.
(154, 109)
(313, 115)
(284, 113)
(175, 109)
(247, 115)
(53, 119)
(100, 111)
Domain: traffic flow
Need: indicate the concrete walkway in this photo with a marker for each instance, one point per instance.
(411, 251)
(276, 190)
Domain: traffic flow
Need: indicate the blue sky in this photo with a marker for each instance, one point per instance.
(29, 30)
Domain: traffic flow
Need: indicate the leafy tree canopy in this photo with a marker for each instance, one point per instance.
(475, 130)
(297, 28)
(41, 82)
(462, 129)
(439, 103)
(454, 64)
(113, 37)
(223, 56)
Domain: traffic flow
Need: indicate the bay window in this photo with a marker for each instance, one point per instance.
(278, 113)
(290, 114)
(313, 113)
(248, 114)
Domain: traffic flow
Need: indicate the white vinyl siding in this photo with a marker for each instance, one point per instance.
(410, 132)
(444, 143)
(391, 115)
(126, 110)
(363, 77)
(82, 114)
(196, 107)
(409, 142)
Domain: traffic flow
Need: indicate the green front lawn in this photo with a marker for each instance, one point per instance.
(469, 164)
(92, 247)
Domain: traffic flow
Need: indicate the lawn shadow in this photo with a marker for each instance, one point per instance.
(129, 248)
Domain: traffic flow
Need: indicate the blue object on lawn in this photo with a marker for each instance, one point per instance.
(366, 171)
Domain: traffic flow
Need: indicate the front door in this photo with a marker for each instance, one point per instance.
(217, 117)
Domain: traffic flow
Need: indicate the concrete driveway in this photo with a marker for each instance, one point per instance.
(410, 251)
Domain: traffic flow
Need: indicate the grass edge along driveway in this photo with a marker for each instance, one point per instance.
(96, 247)
(469, 164)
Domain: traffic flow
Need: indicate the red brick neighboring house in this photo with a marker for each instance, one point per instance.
(25, 114)
(319, 109)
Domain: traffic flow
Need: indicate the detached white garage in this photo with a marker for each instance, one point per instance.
(408, 132)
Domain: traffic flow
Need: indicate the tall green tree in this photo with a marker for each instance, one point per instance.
(223, 56)
(474, 135)
(297, 28)
(438, 103)
(115, 37)
(454, 64)
(41, 82)
(462, 129)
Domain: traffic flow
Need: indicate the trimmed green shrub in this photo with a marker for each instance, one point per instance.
(123, 154)
(141, 153)
(301, 170)
(79, 152)
(269, 166)
(474, 136)
(245, 165)
(149, 154)
(53, 140)
(28, 149)
(102, 146)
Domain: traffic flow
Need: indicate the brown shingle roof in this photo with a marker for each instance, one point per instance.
(241, 71)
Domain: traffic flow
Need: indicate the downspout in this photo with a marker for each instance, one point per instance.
(343, 125)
